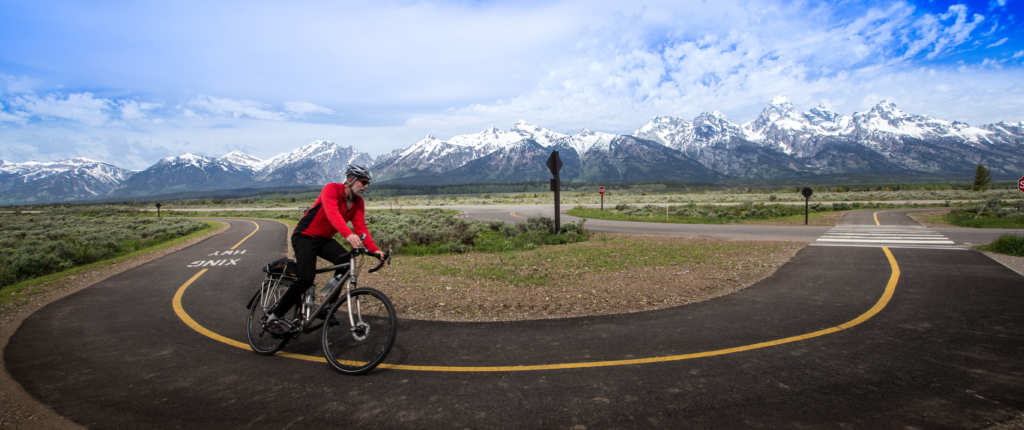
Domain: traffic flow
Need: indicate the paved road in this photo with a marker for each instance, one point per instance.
(886, 217)
(842, 336)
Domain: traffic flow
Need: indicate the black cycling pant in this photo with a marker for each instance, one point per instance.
(307, 249)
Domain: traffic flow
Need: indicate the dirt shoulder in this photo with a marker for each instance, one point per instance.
(932, 219)
(611, 274)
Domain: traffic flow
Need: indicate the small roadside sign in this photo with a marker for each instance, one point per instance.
(600, 190)
(807, 193)
(1020, 185)
(554, 163)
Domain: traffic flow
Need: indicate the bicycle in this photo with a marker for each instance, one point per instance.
(352, 349)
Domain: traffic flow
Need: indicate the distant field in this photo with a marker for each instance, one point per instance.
(33, 245)
(637, 197)
(712, 214)
(990, 214)
(435, 231)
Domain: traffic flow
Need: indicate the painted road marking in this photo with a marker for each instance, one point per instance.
(890, 288)
(904, 236)
(228, 252)
(247, 237)
(885, 236)
(226, 262)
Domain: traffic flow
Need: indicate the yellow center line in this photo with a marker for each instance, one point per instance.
(876, 218)
(250, 234)
(890, 288)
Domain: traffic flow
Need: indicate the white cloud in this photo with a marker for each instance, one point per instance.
(995, 26)
(448, 68)
(235, 108)
(133, 110)
(17, 117)
(957, 33)
(81, 107)
(18, 85)
(1018, 54)
(301, 108)
(996, 4)
(622, 83)
(1000, 42)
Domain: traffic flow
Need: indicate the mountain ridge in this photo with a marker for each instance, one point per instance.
(781, 142)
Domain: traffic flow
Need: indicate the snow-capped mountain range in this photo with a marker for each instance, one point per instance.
(70, 179)
(780, 143)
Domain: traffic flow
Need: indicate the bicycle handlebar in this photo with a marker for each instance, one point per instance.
(385, 259)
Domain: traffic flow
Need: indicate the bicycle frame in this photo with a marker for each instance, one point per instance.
(309, 315)
(269, 289)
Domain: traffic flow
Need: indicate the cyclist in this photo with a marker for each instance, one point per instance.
(337, 205)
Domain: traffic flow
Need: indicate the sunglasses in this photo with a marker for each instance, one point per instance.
(365, 182)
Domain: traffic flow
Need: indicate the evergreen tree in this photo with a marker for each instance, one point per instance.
(982, 177)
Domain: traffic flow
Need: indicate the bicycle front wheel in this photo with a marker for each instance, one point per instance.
(355, 342)
(261, 341)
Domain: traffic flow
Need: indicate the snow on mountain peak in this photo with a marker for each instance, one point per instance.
(186, 158)
(780, 101)
(544, 137)
(887, 104)
(242, 159)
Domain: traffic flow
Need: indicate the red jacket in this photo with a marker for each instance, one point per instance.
(331, 213)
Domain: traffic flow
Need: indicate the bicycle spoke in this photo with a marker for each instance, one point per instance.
(261, 341)
(358, 348)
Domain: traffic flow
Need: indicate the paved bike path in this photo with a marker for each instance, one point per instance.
(946, 348)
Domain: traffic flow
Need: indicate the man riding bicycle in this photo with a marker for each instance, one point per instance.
(313, 237)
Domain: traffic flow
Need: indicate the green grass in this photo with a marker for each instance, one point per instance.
(33, 245)
(17, 294)
(983, 222)
(990, 214)
(1009, 244)
(435, 231)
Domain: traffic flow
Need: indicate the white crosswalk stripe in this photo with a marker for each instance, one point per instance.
(888, 236)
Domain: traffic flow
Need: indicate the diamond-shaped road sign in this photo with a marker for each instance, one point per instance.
(554, 163)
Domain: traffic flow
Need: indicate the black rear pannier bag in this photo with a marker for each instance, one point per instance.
(282, 266)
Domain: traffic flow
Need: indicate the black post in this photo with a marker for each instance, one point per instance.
(555, 164)
(602, 201)
(158, 210)
(558, 221)
(807, 192)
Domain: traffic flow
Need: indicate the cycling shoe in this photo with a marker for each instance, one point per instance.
(276, 327)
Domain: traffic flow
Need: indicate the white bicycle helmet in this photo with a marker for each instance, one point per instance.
(357, 171)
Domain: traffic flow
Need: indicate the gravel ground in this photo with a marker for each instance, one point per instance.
(931, 219)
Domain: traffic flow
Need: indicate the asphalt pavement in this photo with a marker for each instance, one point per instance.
(841, 336)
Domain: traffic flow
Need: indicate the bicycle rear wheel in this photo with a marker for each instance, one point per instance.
(355, 350)
(261, 341)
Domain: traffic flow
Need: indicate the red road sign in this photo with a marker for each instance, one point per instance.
(600, 190)
(1020, 185)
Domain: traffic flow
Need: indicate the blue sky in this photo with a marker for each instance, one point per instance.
(132, 82)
